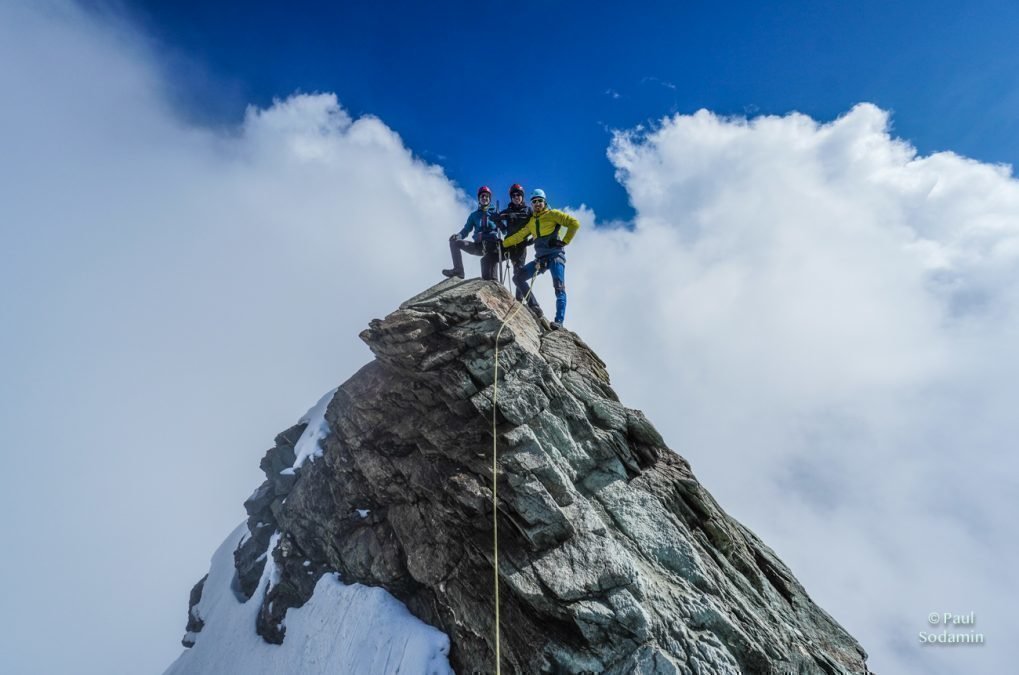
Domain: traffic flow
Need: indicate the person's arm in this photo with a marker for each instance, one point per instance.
(468, 226)
(571, 224)
(519, 235)
(503, 220)
(529, 240)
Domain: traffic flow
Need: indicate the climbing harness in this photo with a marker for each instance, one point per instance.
(495, 476)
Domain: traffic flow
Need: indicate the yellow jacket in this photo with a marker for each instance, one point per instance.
(541, 226)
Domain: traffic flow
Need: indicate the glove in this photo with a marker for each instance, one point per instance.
(556, 243)
(455, 237)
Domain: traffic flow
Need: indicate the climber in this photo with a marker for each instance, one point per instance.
(545, 225)
(514, 218)
(484, 222)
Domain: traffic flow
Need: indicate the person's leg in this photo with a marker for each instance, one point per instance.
(518, 256)
(455, 248)
(490, 260)
(558, 270)
(521, 279)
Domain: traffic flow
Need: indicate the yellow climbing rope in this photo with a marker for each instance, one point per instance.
(495, 482)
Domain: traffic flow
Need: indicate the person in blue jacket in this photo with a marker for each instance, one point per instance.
(486, 242)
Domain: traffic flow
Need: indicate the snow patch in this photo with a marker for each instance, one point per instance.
(307, 445)
(363, 512)
(341, 629)
(270, 573)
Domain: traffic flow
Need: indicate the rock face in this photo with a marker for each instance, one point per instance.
(612, 557)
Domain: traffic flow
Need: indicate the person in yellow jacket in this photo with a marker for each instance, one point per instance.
(545, 226)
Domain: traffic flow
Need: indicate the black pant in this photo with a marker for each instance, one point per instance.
(518, 256)
(488, 250)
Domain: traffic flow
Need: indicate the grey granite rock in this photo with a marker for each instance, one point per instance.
(612, 557)
(195, 623)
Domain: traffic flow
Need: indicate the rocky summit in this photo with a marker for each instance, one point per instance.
(612, 557)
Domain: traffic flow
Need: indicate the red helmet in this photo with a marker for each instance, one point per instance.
(483, 189)
(516, 189)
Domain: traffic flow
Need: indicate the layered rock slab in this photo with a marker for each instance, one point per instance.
(612, 557)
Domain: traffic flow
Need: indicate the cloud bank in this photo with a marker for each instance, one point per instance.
(173, 298)
(824, 323)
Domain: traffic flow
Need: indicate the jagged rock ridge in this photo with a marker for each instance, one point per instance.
(613, 558)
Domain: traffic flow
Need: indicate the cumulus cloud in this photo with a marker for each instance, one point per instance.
(823, 322)
(174, 297)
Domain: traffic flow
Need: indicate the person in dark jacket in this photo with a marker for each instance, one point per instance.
(514, 218)
(546, 226)
(486, 242)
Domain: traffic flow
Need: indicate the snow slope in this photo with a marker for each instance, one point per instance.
(308, 446)
(341, 629)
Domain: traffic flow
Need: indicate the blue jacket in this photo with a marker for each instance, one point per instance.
(484, 223)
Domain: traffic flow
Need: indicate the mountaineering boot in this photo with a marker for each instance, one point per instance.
(453, 273)
(555, 325)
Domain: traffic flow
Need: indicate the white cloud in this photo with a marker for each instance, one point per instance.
(659, 81)
(824, 324)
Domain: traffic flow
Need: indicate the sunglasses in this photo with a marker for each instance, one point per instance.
(537, 200)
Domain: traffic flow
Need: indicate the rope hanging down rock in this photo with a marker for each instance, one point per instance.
(495, 477)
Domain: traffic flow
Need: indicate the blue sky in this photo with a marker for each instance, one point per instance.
(501, 92)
